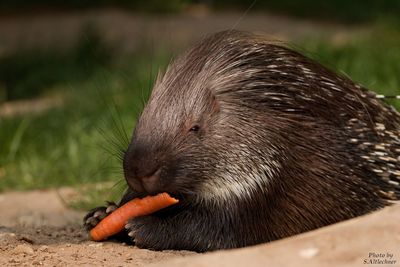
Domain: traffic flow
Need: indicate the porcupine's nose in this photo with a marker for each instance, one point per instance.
(141, 173)
(150, 182)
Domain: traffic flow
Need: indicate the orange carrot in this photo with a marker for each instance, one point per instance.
(115, 222)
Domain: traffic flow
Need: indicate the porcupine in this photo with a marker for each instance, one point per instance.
(258, 142)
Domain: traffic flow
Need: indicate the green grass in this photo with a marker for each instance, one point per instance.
(372, 60)
(29, 73)
(78, 144)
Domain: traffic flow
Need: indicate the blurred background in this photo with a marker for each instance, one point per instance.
(75, 74)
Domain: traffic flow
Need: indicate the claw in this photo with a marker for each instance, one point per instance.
(101, 216)
(111, 208)
(92, 221)
(128, 226)
(131, 233)
(98, 214)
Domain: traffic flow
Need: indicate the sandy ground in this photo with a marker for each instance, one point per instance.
(36, 228)
(68, 246)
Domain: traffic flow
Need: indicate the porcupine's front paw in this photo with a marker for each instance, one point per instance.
(146, 232)
(94, 216)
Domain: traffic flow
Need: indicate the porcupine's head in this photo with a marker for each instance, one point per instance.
(200, 133)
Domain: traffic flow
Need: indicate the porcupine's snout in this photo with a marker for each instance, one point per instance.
(142, 173)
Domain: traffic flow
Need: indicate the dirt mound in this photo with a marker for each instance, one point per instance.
(371, 240)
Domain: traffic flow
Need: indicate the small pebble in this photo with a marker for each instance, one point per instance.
(44, 248)
(5, 235)
(308, 253)
(23, 249)
(96, 245)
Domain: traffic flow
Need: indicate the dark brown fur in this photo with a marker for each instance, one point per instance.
(259, 143)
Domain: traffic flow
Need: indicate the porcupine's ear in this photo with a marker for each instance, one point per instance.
(215, 105)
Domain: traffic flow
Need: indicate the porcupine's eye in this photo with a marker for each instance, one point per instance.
(195, 128)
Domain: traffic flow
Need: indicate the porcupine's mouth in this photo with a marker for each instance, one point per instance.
(179, 194)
